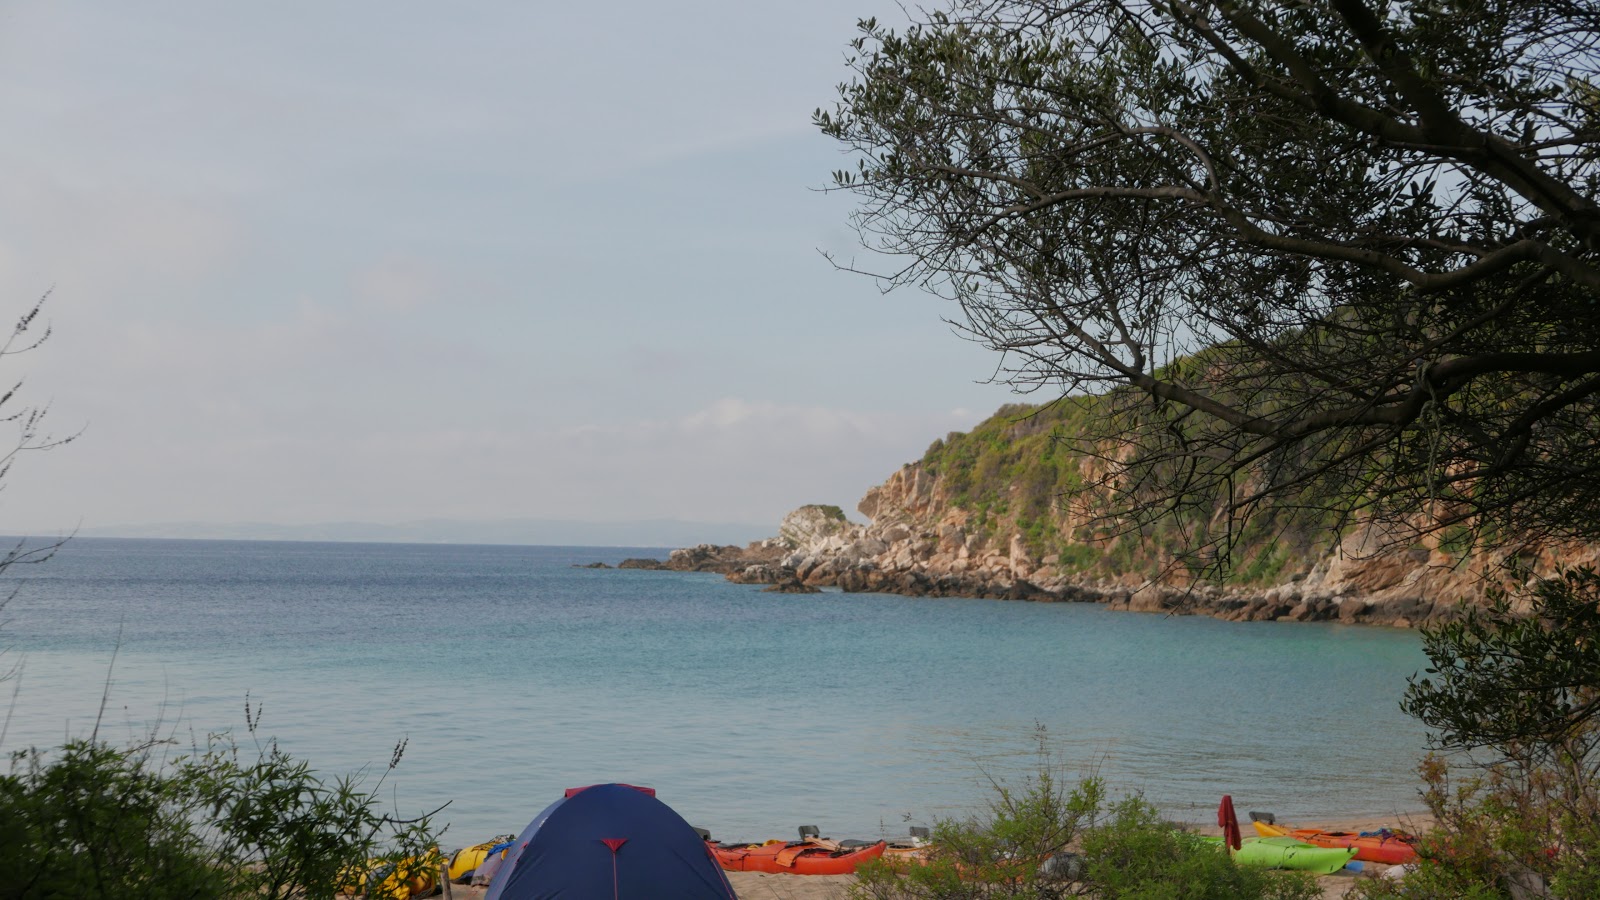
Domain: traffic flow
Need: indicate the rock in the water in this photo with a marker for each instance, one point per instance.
(792, 586)
(762, 573)
(724, 560)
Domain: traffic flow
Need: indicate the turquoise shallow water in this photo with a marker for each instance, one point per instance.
(514, 675)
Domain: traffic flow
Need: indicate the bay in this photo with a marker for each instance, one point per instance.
(512, 674)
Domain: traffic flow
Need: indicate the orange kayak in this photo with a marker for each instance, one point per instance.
(795, 857)
(1384, 847)
(907, 853)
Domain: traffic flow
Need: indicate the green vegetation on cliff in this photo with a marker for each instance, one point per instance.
(1028, 471)
(830, 511)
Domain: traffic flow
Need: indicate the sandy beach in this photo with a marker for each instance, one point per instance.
(762, 886)
(748, 885)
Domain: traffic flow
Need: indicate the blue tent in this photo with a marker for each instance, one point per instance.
(609, 841)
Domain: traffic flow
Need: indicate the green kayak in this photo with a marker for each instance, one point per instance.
(1288, 853)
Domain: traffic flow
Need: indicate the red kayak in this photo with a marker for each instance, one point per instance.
(795, 857)
(1384, 846)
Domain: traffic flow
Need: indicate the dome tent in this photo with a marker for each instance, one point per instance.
(609, 841)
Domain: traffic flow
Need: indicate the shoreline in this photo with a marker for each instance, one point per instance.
(920, 543)
(768, 563)
(765, 886)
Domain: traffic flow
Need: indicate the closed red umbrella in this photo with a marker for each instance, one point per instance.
(1229, 822)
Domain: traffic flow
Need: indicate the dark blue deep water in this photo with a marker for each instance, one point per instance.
(514, 675)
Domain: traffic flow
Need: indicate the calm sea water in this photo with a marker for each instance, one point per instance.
(514, 675)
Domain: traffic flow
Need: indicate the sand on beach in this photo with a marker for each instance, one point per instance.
(748, 885)
(763, 886)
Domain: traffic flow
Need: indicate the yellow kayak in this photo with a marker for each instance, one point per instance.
(414, 876)
(467, 860)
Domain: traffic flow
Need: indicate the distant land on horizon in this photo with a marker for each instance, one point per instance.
(548, 532)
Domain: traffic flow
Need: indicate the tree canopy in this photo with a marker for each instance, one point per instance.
(1337, 254)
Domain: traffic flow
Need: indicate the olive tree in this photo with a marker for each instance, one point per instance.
(1337, 254)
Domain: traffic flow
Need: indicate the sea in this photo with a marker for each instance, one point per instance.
(511, 673)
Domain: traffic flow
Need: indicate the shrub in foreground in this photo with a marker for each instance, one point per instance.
(89, 820)
(95, 821)
(1120, 851)
(1135, 855)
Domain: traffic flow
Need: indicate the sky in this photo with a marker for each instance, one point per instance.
(383, 262)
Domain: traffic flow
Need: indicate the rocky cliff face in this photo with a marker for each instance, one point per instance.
(931, 534)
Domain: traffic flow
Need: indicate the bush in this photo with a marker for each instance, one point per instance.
(1121, 851)
(95, 821)
(993, 857)
(99, 822)
(1138, 856)
(1498, 826)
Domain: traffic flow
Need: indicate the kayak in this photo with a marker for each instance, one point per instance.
(908, 853)
(415, 876)
(1392, 847)
(795, 857)
(1288, 853)
(467, 860)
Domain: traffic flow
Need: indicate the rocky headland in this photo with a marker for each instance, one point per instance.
(934, 528)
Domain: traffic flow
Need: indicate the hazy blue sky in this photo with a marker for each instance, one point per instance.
(387, 261)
